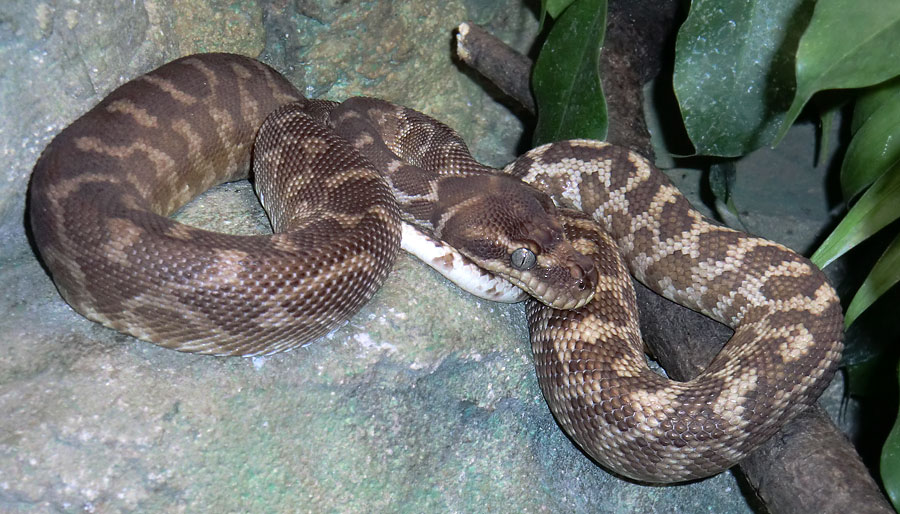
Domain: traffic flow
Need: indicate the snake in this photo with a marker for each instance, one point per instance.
(566, 223)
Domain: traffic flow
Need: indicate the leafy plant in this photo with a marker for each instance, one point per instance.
(566, 75)
(871, 167)
(743, 74)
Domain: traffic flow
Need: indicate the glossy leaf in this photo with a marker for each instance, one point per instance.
(847, 45)
(554, 7)
(734, 74)
(884, 275)
(873, 211)
(875, 146)
(566, 77)
(872, 98)
(890, 464)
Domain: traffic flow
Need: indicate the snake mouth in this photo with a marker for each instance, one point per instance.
(568, 296)
(561, 301)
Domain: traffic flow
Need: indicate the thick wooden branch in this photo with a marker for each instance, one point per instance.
(496, 61)
(807, 467)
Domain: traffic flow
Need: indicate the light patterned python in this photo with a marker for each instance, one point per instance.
(331, 177)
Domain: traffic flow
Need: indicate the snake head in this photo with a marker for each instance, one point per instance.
(512, 230)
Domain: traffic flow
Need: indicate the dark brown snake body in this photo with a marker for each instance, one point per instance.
(336, 180)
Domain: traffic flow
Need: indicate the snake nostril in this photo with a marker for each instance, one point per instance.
(576, 271)
(583, 273)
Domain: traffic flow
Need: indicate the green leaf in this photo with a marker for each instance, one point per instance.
(566, 77)
(875, 209)
(554, 7)
(884, 275)
(871, 100)
(875, 146)
(847, 45)
(826, 122)
(890, 464)
(734, 74)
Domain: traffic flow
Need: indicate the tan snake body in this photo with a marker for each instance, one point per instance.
(336, 179)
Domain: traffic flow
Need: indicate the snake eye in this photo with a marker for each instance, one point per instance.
(522, 259)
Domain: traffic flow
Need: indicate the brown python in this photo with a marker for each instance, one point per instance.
(336, 179)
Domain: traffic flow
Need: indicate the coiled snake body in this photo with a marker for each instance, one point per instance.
(337, 179)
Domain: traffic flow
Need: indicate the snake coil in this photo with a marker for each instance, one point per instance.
(337, 180)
